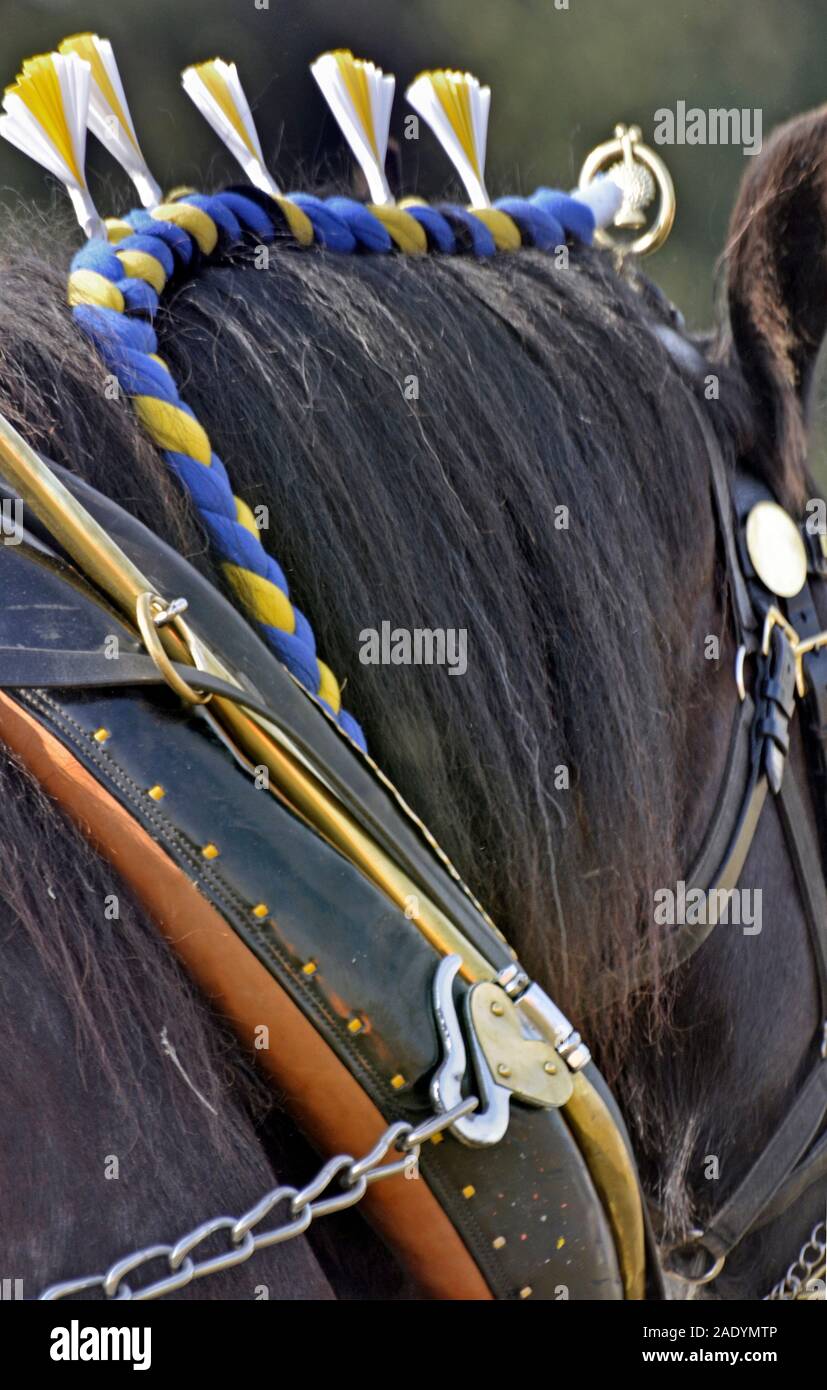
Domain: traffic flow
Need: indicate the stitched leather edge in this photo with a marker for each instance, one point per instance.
(230, 974)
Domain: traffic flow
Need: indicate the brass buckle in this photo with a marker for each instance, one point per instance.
(801, 645)
(152, 612)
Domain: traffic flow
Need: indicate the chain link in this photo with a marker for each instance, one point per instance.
(352, 1177)
(810, 1265)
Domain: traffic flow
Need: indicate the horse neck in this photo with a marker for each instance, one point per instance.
(742, 1021)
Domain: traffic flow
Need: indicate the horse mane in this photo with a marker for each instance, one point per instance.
(537, 387)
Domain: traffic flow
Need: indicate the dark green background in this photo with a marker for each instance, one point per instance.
(560, 80)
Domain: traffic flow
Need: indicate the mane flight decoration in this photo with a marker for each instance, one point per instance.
(46, 113)
(116, 280)
(108, 115)
(216, 91)
(360, 96)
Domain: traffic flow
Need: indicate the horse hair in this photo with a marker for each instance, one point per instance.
(539, 388)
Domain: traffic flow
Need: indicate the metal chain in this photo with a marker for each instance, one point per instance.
(808, 1265)
(305, 1204)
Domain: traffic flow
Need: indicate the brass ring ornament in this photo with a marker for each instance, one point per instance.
(149, 608)
(640, 174)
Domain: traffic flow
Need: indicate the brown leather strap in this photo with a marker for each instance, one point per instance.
(325, 1098)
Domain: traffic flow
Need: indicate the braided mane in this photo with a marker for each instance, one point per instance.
(115, 289)
(538, 388)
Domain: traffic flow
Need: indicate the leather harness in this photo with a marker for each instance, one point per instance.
(285, 933)
(757, 767)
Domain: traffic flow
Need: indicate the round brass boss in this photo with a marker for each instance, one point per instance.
(776, 549)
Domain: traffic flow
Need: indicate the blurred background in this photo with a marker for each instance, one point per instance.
(561, 78)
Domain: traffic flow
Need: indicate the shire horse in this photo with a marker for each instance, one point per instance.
(540, 388)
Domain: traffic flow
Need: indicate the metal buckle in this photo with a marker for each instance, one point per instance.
(489, 1123)
(152, 613)
(801, 646)
(511, 1057)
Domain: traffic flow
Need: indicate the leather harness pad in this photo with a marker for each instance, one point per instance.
(332, 1105)
(359, 971)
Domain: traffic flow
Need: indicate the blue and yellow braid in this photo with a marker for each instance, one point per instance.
(114, 290)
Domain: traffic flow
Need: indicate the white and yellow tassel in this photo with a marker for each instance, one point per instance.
(215, 88)
(360, 95)
(456, 108)
(46, 111)
(109, 117)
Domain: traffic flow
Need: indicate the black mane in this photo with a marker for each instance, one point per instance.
(538, 388)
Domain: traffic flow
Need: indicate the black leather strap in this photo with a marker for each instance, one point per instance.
(691, 935)
(757, 764)
(40, 668)
(759, 745)
(732, 792)
(806, 858)
(780, 1176)
(722, 497)
(808, 1171)
(804, 617)
(767, 1176)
